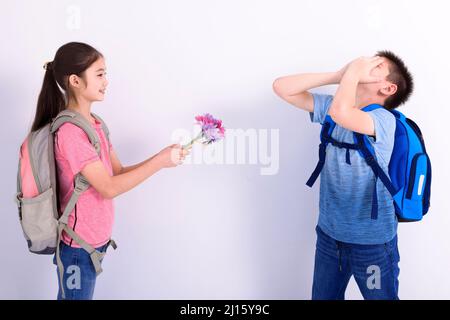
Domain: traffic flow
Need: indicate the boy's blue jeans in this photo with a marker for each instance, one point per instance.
(79, 273)
(374, 267)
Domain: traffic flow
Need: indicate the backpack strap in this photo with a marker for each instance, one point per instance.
(19, 190)
(104, 127)
(325, 135)
(96, 256)
(371, 107)
(81, 185)
(367, 151)
(78, 120)
(426, 193)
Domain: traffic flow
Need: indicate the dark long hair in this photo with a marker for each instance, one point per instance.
(71, 58)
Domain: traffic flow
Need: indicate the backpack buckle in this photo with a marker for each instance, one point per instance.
(81, 184)
(370, 159)
(78, 189)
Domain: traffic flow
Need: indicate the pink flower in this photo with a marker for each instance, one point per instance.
(212, 129)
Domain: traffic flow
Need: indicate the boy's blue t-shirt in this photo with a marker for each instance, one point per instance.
(346, 190)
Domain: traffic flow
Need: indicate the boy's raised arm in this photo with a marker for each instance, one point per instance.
(294, 88)
(343, 109)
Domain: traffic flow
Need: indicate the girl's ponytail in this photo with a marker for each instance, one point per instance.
(51, 100)
(71, 58)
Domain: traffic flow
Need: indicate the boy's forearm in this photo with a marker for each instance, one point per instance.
(295, 84)
(345, 97)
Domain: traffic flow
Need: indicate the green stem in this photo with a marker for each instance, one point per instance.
(193, 141)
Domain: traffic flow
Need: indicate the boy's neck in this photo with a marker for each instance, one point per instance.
(364, 102)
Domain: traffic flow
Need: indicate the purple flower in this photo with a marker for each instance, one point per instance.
(212, 129)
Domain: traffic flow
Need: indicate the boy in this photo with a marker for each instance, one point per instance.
(350, 241)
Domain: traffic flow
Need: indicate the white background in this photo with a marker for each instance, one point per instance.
(220, 231)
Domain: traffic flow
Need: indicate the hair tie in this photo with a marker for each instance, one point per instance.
(48, 65)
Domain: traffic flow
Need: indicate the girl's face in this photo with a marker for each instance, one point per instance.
(92, 86)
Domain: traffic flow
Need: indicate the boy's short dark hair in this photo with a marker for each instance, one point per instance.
(399, 75)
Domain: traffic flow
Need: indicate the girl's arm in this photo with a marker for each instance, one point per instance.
(294, 88)
(117, 165)
(112, 186)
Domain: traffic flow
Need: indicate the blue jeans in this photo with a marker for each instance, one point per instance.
(79, 273)
(374, 267)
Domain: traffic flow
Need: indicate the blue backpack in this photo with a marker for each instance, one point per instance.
(409, 178)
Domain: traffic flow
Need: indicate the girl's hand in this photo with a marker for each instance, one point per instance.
(172, 156)
(362, 68)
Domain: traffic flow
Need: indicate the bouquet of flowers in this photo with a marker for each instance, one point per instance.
(211, 130)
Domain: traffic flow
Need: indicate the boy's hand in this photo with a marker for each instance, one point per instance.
(362, 69)
(341, 72)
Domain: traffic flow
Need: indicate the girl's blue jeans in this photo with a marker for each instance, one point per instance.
(79, 273)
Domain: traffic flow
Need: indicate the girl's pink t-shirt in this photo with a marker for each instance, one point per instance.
(93, 216)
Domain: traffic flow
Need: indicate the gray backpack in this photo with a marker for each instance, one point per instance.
(37, 192)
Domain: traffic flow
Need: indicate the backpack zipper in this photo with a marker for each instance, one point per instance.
(412, 175)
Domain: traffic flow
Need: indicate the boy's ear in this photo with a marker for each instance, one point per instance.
(389, 89)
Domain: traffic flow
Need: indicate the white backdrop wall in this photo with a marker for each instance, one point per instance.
(221, 231)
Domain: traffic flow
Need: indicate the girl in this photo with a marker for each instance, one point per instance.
(79, 70)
